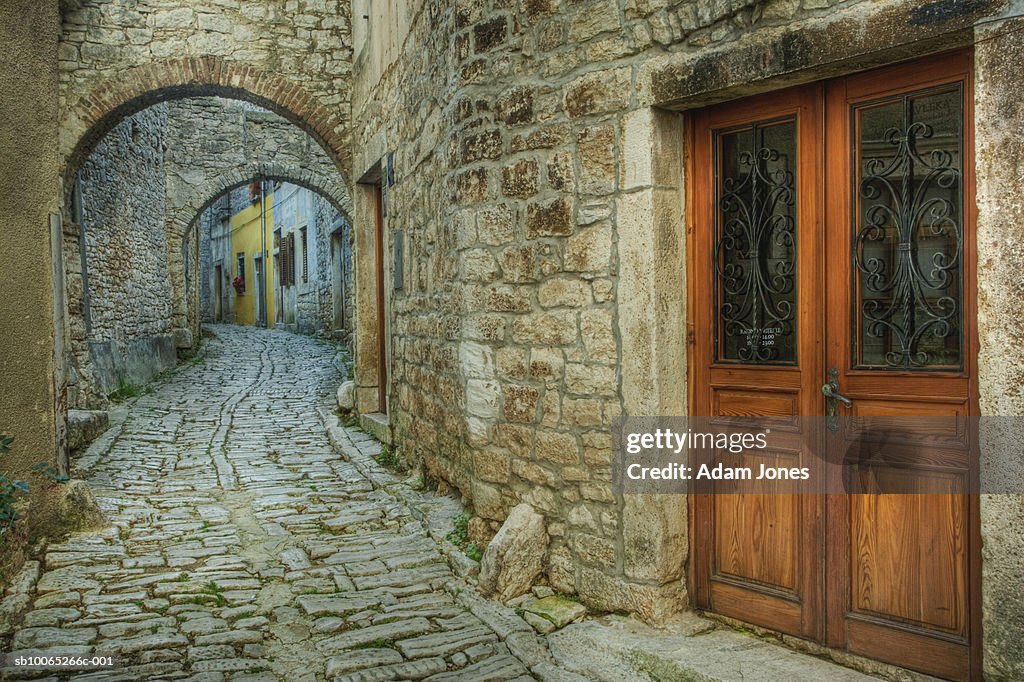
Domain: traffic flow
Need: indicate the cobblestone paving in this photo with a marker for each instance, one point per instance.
(243, 547)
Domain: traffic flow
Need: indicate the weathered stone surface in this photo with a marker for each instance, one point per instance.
(85, 426)
(558, 610)
(347, 396)
(513, 559)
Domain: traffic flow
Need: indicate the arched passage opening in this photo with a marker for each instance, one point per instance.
(319, 274)
(315, 165)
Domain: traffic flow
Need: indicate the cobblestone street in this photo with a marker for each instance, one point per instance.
(244, 546)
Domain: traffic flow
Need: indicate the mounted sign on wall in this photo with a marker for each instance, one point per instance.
(399, 243)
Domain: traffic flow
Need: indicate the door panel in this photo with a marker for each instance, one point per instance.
(868, 179)
(760, 349)
(901, 338)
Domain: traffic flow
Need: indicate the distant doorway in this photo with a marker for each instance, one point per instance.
(339, 288)
(261, 299)
(218, 293)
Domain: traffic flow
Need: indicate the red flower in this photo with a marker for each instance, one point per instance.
(238, 284)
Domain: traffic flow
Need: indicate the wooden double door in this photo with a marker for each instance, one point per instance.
(832, 232)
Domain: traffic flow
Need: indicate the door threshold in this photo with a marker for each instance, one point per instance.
(691, 646)
(839, 657)
(377, 424)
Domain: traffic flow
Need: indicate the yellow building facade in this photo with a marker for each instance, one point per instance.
(251, 259)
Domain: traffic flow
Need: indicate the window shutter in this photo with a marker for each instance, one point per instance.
(286, 258)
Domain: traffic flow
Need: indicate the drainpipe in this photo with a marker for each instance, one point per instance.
(263, 253)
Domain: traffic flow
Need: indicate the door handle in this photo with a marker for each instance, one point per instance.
(830, 392)
(832, 399)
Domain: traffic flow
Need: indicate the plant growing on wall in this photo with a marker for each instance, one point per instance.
(12, 488)
(239, 284)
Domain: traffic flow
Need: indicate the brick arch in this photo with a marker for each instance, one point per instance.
(134, 89)
(334, 191)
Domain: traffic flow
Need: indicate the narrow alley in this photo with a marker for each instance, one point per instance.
(243, 544)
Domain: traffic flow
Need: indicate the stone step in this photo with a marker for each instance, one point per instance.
(618, 649)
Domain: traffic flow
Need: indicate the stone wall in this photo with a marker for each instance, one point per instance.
(539, 184)
(215, 248)
(291, 55)
(117, 263)
(335, 273)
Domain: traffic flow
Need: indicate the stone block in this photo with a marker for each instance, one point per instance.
(482, 398)
(515, 105)
(563, 291)
(491, 466)
(590, 250)
(561, 175)
(547, 329)
(596, 146)
(479, 265)
(490, 34)
(598, 92)
(511, 362)
(470, 186)
(559, 448)
(479, 146)
(494, 224)
(520, 403)
(588, 379)
(85, 426)
(546, 363)
(519, 264)
(507, 299)
(598, 334)
(553, 218)
(557, 610)
(520, 179)
(476, 360)
(514, 558)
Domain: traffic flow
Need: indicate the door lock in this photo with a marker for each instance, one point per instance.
(832, 399)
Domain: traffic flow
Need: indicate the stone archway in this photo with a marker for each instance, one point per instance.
(93, 106)
(135, 89)
(182, 225)
(185, 217)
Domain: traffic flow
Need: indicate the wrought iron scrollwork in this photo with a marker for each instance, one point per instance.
(906, 295)
(755, 256)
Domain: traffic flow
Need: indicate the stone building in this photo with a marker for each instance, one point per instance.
(313, 282)
(535, 192)
(551, 168)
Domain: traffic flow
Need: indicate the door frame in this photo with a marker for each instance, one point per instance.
(959, 61)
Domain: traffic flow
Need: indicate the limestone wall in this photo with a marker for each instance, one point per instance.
(539, 184)
(120, 289)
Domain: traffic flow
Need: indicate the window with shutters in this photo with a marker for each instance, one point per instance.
(287, 261)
